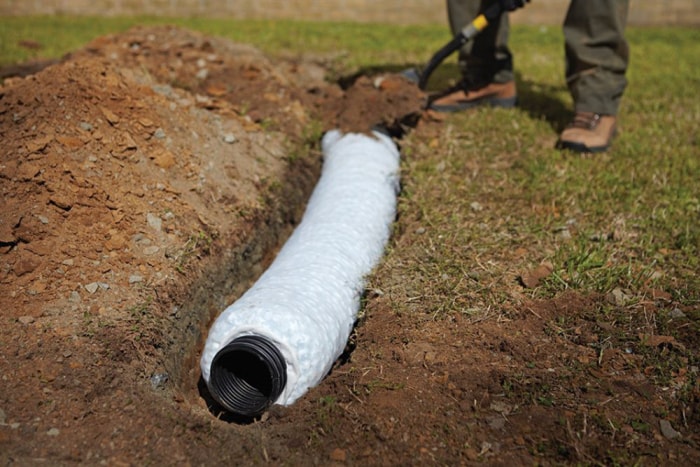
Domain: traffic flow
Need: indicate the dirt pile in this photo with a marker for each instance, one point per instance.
(284, 96)
(112, 179)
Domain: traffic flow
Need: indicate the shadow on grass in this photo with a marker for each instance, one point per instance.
(540, 101)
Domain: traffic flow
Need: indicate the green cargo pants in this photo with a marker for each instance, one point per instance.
(596, 51)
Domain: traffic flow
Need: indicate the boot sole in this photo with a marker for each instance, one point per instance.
(581, 148)
(503, 102)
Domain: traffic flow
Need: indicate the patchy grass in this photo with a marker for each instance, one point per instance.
(197, 245)
(489, 198)
(350, 44)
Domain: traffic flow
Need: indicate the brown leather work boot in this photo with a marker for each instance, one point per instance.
(588, 132)
(464, 97)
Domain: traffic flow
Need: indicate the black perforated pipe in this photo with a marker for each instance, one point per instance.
(248, 375)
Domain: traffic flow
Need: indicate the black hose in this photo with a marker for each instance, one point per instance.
(438, 58)
(248, 375)
(468, 33)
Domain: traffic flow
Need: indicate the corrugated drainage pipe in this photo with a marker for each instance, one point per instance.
(282, 336)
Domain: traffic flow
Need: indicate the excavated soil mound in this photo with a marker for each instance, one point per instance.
(145, 179)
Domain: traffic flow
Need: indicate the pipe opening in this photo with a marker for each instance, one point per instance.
(248, 375)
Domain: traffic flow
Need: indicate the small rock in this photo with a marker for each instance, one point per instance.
(103, 285)
(471, 454)
(661, 295)
(26, 319)
(92, 287)
(617, 297)
(61, 201)
(378, 82)
(155, 222)
(135, 278)
(39, 144)
(667, 430)
(497, 423)
(67, 262)
(28, 171)
(202, 74)
(53, 432)
(338, 455)
(676, 313)
(43, 219)
(656, 275)
(532, 279)
(501, 407)
(159, 133)
(163, 89)
(6, 229)
(74, 297)
(85, 126)
(3, 417)
(565, 234)
(420, 230)
(150, 250)
(476, 206)
(163, 158)
(115, 242)
(26, 265)
(158, 380)
(229, 138)
(70, 142)
(111, 117)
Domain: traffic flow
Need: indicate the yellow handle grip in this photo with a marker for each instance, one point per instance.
(480, 22)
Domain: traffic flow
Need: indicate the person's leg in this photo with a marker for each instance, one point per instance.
(486, 63)
(597, 56)
(485, 59)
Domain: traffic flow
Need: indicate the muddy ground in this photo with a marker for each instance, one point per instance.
(149, 178)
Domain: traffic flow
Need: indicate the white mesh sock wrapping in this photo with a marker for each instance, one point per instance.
(307, 300)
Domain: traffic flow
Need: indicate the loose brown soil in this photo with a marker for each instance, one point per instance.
(148, 179)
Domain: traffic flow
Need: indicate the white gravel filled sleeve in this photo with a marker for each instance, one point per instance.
(307, 300)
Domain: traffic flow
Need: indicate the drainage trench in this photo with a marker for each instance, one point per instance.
(283, 335)
(276, 339)
(228, 272)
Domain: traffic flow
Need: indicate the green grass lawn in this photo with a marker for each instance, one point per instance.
(491, 185)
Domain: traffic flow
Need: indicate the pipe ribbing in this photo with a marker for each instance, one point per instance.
(248, 374)
(301, 311)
